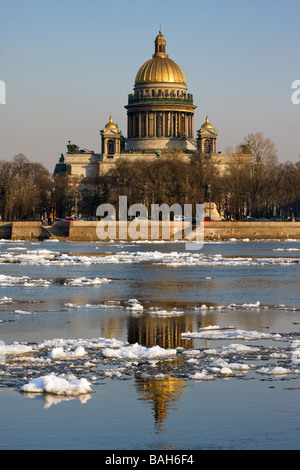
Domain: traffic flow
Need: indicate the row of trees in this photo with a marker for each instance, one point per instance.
(25, 189)
(242, 189)
(248, 180)
(28, 190)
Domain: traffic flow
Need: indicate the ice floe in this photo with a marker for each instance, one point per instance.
(91, 343)
(83, 281)
(136, 351)
(134, 305)
(44, 367)
(25, 281)
(5, 300)
(23, 312)
(59, 352)
(277, 371)
(14, 349)
(172, 258)
(108, 304)
(57, 385)
(215, 332)
(164, 313)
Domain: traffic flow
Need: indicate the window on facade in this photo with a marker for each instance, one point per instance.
(207, 146)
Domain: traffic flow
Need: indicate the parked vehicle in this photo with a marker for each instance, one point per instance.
(249, 219)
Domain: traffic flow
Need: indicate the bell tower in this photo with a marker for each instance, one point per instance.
(207, 138)
(110, 140)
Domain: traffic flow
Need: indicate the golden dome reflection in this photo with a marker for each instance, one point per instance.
(160, 68)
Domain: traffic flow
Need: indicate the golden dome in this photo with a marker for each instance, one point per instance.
(207, 124)
(111, 124)
(160, 68)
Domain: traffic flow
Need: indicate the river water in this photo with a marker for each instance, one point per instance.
(174, 349)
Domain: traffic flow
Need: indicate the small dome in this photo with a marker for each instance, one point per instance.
(160, 37)
(111, 124)
(207, 124)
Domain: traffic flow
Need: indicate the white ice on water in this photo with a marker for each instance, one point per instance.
(173, 258)
(136, 351)
(56, 385)
(215, 332)
(225, 361)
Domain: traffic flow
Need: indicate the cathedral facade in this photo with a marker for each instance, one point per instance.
(160, 123)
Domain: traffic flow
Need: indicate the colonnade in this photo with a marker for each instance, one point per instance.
(207, 144)
(160, 124)
(110, 145)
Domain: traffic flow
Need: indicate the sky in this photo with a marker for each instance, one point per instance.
(68, 65)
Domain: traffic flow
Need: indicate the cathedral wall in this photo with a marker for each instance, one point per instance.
(83, 165)
(107, 164)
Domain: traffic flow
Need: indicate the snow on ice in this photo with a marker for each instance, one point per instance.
(174, 258)
(57, 386)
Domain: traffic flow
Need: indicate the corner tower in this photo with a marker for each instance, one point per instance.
(160, 112)
(207, 138)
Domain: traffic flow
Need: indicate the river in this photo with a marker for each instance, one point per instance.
(150, 346)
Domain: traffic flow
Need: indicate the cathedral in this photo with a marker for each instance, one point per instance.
(160, 123)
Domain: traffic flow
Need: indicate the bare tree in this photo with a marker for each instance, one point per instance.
(262, 148)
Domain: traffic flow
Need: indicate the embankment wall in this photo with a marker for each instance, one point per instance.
(87, 231)
(81, 231)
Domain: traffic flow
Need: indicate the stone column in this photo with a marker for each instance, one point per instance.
(146, 124)
(135, 121)
(130, 120)
(140, 125)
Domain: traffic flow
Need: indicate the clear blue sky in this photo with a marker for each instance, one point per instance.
(69, 64)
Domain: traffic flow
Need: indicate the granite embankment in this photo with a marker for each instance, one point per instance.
(87, 231)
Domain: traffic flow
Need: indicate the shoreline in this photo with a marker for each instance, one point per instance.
(87, 231)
